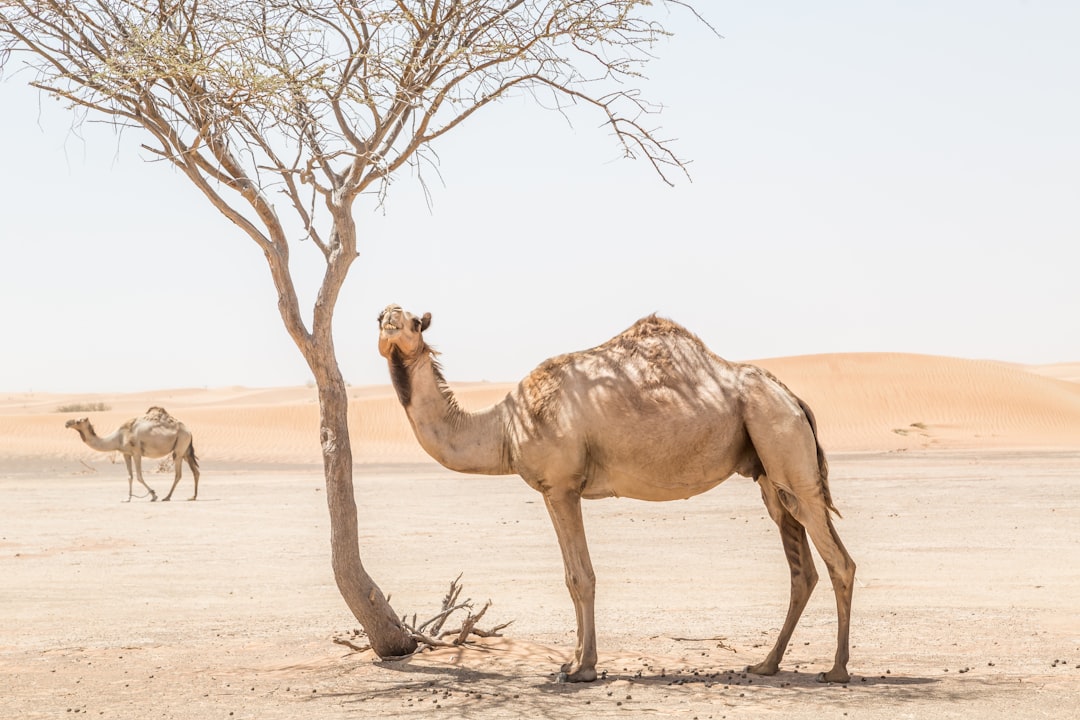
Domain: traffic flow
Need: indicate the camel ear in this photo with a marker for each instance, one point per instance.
(425, 322)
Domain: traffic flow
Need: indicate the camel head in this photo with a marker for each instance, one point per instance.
(401, 330)
(82, 426)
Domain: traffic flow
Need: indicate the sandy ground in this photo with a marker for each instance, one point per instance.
(959, 482)
(968, 581)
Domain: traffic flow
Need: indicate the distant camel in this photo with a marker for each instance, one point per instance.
(153, 435)
(651, 414)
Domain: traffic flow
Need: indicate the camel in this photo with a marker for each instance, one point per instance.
(651, 414)
(153, 435)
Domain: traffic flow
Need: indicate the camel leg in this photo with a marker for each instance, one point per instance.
(177, 470)
(138, 474)
(194, 465)
(565, 510)
(842, 573)
(786, 444)
(803, 574)
(131, 478)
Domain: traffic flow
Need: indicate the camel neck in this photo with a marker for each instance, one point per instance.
(101, 444)
(471, 442)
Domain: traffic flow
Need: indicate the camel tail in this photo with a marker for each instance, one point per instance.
(823, 464)
(194, 461)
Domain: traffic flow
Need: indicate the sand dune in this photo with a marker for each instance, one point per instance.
(1061, 371)
(863, 402)
(890, 401)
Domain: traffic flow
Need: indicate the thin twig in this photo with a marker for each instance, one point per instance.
(346, 643)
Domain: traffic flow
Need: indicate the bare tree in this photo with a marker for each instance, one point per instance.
(284, 112)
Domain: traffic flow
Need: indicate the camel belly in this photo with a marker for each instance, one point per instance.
(613, 483)
(669, 459)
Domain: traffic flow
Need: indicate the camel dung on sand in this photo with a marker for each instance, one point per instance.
(153, 435)
(651, 414)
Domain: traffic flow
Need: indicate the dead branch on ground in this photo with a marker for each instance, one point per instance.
(432, 633)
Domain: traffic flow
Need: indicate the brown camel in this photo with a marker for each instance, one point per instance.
(651, 414)
(153, 435)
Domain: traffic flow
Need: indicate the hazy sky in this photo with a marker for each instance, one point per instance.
(886, 176)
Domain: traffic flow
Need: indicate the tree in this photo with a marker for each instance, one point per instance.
(285, 113)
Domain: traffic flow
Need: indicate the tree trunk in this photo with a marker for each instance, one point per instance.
(366, 601)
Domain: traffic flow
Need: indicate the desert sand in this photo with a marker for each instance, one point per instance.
(958, 480)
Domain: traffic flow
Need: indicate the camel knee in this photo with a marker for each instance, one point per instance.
(581, 583)
(805, 575)
(843, 575)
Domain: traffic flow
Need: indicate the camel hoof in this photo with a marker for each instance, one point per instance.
(582, 675)
(762, 668)
(166, 499)
(833, 676)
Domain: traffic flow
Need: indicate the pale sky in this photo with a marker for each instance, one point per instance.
(886, 176)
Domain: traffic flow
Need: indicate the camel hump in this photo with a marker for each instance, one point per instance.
(159, 416)
(652, 326)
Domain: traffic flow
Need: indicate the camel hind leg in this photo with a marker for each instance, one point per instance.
(803, 574)
(808, 509)
(179, 455)
(178, 469)
(786, 443)
(841, 567)
(193, 463)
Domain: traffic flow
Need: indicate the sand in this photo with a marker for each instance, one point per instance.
(957, 480)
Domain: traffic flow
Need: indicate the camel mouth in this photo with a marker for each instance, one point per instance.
(390, 321)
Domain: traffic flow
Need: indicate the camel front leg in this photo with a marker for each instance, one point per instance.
(564, 507)
(803, 574)
(131, 479)
(138, 474)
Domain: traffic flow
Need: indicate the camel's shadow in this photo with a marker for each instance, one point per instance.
(498, 690)
(739, 678)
